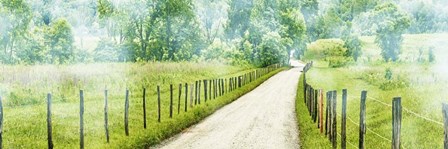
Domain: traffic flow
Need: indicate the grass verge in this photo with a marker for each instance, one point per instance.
(25, 122)
(309, 134)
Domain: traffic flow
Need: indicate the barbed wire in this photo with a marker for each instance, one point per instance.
(406, 110)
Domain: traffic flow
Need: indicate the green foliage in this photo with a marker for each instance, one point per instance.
(106, 51)
(353, 46)
(293, 28)
(388, 74)
(309, 9)
(385, 81)
(15, 16)
(25, 104)
(329, 50)
(60, 41)
(431, 55)
(310, 136)
(388, 35)
(272, 50)
(239, 15)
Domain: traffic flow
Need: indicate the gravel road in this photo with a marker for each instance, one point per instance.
(263, 118)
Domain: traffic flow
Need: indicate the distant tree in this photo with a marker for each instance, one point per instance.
(353, 46)
(424, 18)
(272, 50)
(293, 28)
(431, 55)
(239, 14)
(310, 9)
(106, 51)
(15, 16)
(393, 22)
(60, 41)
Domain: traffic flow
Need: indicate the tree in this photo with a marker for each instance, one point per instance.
(353, 46)
(60, 41)
(239, 14)
(293, 28)
(15, 17)
(392, 24)
(310, 10)
(272, 50)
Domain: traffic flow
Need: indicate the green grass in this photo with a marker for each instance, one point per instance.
(309, 134)
(423, 95)
(25, 121)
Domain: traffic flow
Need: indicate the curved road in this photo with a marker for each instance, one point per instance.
(263, 118)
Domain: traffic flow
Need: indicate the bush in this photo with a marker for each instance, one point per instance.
(385, 81)
(106, 51)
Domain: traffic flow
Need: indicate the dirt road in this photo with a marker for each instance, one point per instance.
(263, 118)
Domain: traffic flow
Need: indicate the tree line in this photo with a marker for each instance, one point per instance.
(255, 32)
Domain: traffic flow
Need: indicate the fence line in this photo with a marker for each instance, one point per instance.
(348, 141)
(406, 110)
(396, 129)
(220, 88)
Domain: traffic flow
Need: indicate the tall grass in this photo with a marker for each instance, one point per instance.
(24, 89)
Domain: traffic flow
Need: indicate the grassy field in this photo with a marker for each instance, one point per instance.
(24, 90)
(421, 85)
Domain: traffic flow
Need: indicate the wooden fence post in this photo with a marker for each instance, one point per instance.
(445, 124)
(158, 103)
(196, 93)
(396, 124)
(344, 119)
(327, 113)
(334, 126)
(49, 128)
(310, 105)
(81, 119)
(186, 97)
(178, 101)
(171, 100)
(205, 90)
(210, 84)
(330, 116)
(321, 111)
(191, 95)
(1, 123)
(219, 87)
(362, 119)
(199, 92)
(315, 105)
(225, 86)
(144, 108)
(126, 113)
(106, 119)
(214, 88)
(222, 86)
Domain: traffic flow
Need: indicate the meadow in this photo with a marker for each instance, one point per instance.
(24, 90)
(419, 82)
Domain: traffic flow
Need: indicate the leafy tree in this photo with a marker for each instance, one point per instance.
(431, 55)
(60, 41)
(310, 10)
(239, 14)
(392, 24)
(424, 18)
(353, 46)
(106, 51)
(293, 28)
(15, 17)
(272, 50)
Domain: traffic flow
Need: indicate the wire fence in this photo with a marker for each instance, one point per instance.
(314, 101)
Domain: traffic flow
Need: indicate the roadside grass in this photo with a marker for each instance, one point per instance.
(25, 122)
(309, 134)
(422, 93)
